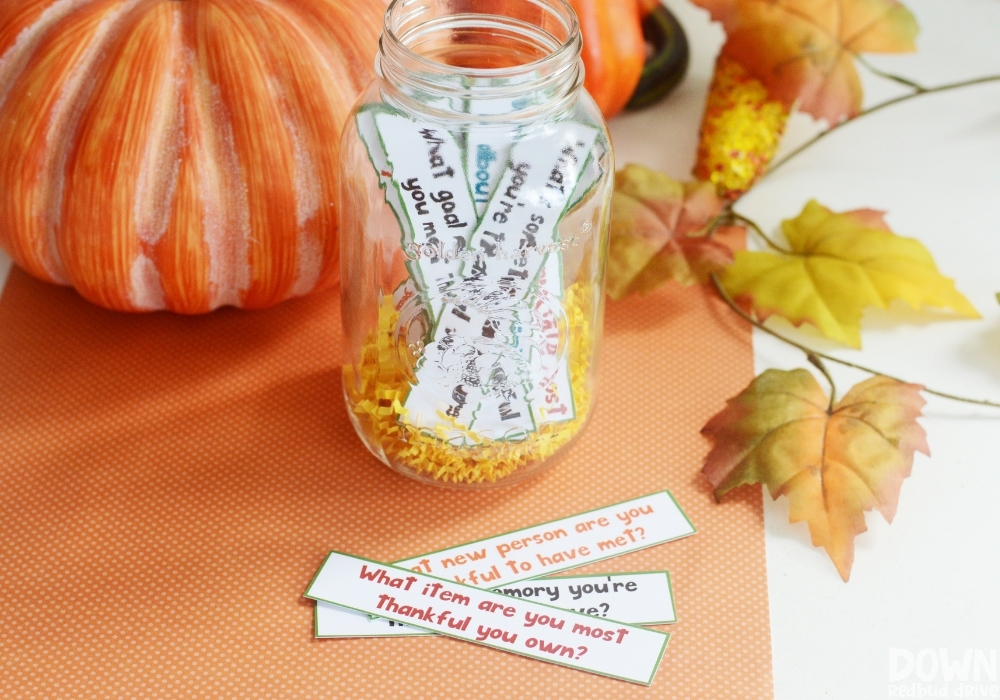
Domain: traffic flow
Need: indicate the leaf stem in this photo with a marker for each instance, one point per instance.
(736, 216)
(713, 226)
(816, 362)
(810, 353)
(918, 90)
(915, 86)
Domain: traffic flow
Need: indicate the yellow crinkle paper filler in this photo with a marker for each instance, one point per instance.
(379, 387)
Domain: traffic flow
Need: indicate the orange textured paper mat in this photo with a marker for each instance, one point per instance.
(169, 486)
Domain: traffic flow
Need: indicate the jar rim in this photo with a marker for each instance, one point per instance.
(567, 49)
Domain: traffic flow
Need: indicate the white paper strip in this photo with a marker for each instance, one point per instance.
(641, 598)
(551, 399)
(518, 626)
(486, 156)
(555, 546)
(560, 544)
(644, 598)
(428, 176)
(480, 364)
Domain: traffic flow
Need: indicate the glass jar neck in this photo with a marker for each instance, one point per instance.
(460, 60)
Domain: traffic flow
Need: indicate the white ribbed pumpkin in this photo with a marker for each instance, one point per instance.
(177, 154)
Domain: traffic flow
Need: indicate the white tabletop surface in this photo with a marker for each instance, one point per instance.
(931, 580)
(929, 584)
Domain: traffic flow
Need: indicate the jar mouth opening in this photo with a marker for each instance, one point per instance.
(539, 32)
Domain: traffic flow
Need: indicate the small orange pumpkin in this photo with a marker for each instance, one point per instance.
(614, 50)
(165, 154)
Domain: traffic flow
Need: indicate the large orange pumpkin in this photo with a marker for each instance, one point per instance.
(177, 154)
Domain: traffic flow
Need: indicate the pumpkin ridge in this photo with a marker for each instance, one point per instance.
(310, 111)
(218, 181)
(244, 73)
(178, 155)
(96, 191)
(27, 38)
(306, 181)
(344, 56)
(158, 174)
(345, 53)
(41, 136)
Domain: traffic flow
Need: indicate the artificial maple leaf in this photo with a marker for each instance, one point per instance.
(838, 264)
(804, 50)
(833, 464)
(658, 228)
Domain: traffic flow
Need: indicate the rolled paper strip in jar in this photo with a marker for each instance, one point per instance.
(550, 394)
(480, 349)
(591, 174)
(504, 394)
(552, 400)
(486, 156)
(740, 130)
(550, 397)
(437, 213)
(486, 149)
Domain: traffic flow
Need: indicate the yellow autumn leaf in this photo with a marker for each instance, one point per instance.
(838, 264)
(833, 464)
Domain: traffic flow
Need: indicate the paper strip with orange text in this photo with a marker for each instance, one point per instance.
(542, 549)
(519, 626)
(640, 598)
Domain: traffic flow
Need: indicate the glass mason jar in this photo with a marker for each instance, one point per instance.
(475, 190)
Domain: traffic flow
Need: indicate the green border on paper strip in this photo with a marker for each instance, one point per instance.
(694, 531)
(656, 666)
(670, 588)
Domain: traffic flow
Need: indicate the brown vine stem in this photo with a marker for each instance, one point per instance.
(912, 84)
(732, 216)
(918, 91)
(810, 353)
(729, 215)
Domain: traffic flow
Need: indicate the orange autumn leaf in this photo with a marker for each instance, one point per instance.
(837, 265)
(833, 464)
(658, 228)
(804, 50)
